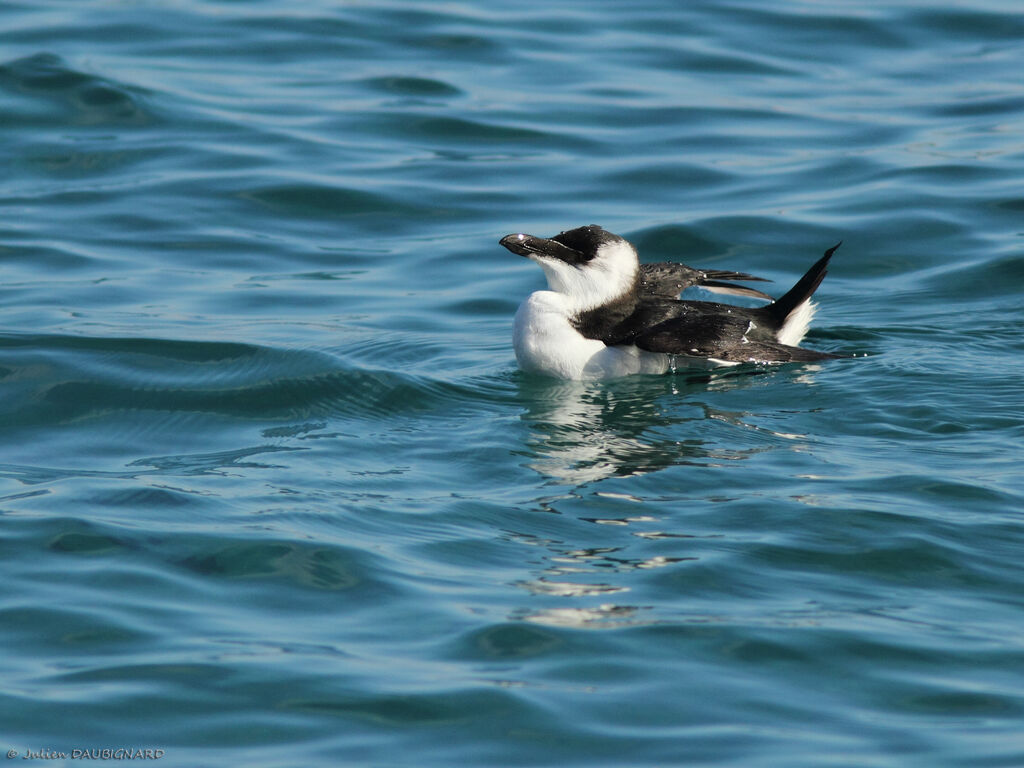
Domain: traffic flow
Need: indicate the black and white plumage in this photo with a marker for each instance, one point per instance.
(604, 315)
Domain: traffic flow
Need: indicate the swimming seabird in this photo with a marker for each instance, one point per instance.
(604, 315)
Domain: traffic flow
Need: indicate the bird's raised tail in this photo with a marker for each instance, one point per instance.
(791, 314)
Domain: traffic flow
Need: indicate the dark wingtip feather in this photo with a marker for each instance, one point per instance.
(729, 289)
(724, 274)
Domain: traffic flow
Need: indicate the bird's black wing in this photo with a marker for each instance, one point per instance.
(666, 279)
(716, 286)
(771, 352)
(679, 327)
(719, 331)
(703, 329)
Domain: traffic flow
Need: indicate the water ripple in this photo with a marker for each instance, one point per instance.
(88, 99)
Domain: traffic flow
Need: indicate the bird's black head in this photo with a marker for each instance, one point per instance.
(574, 246)
(589, 265)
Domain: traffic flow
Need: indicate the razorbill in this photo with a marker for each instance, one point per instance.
(604, 315)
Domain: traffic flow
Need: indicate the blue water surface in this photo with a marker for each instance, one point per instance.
(273, 493)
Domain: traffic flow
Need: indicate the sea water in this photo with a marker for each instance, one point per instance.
(273, 493)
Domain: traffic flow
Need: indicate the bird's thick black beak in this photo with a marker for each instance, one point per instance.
(530, 245)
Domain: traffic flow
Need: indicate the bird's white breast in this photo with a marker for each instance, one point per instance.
(546, 342)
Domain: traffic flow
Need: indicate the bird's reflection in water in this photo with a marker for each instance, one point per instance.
(569, 574)
(582, 433)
